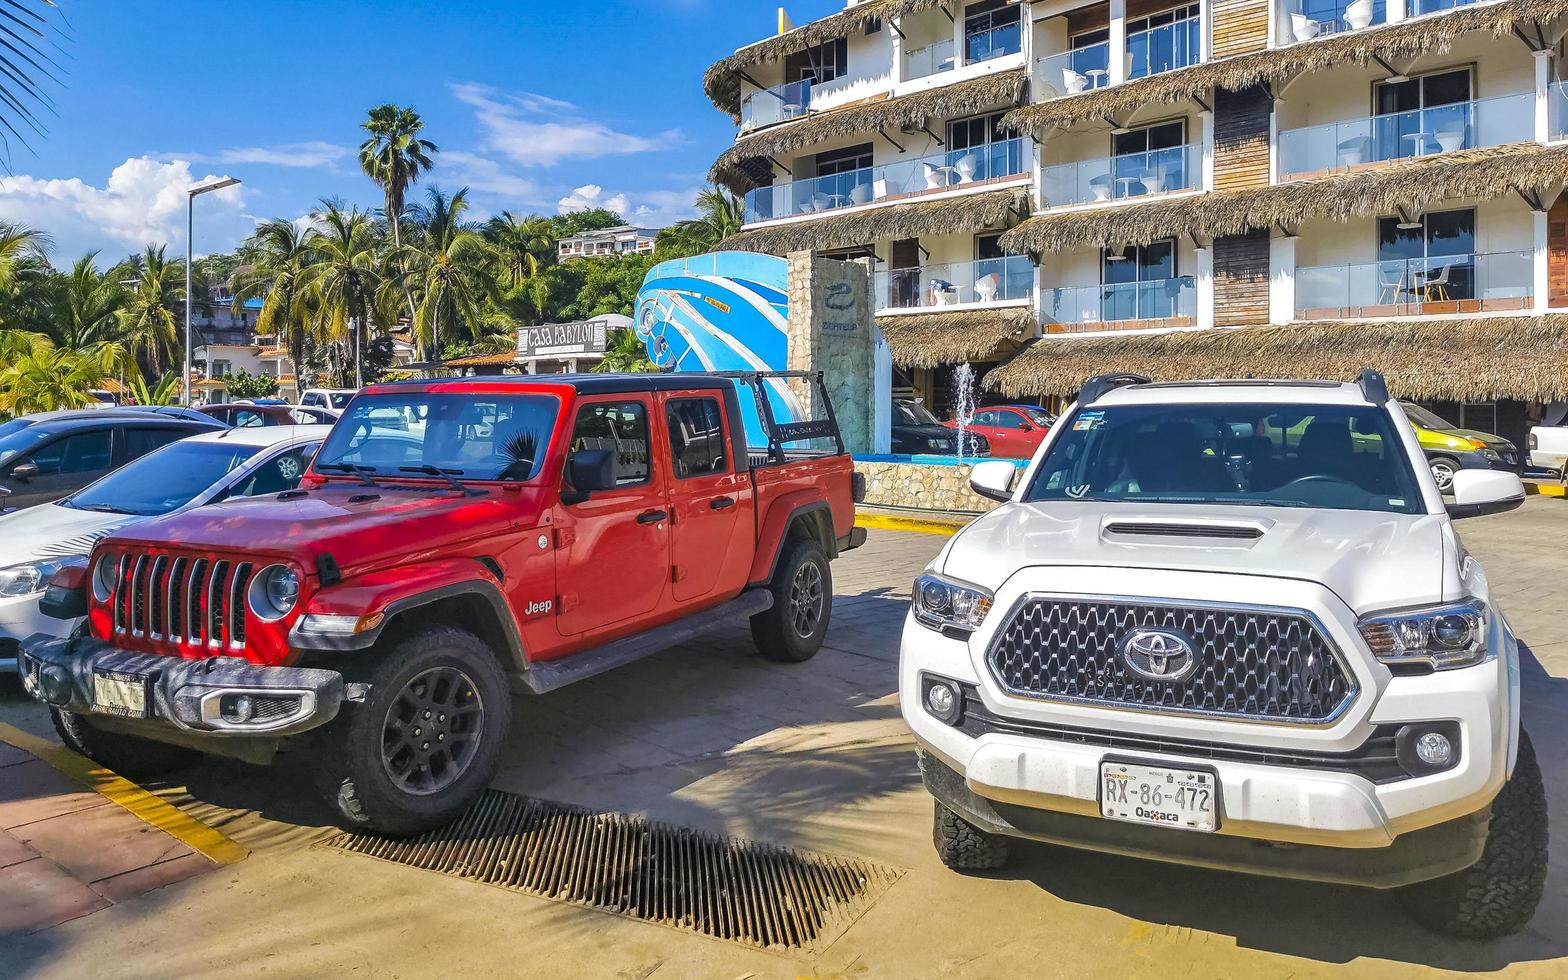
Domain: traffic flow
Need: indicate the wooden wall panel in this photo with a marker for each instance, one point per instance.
(1240, 26)
(1557, 253)
(1241, 138)
(1241, 280)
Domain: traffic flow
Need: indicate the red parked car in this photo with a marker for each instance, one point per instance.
(1015, 431)
(452, 541)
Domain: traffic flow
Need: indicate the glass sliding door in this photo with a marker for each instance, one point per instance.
(1427, 261)
(978, 149)
(1427, 114)
(1137, 282)
(992, 29)
(1149, 160)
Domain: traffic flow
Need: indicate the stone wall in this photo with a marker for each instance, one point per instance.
(830, 330)
(920, 486)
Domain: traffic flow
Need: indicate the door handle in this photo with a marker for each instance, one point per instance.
(722, 503)
(652, 517)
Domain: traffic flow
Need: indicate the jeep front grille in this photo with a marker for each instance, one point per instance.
(182, 600)
(1254, 664)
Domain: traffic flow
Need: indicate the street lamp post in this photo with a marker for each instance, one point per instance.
(191, 193)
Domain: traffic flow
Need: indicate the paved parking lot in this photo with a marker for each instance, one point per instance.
(811, 755)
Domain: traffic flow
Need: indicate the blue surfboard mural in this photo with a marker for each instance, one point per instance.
(725, 311)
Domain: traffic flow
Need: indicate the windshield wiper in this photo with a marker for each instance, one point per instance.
(360, 471)
(100, 508)
(449, 475)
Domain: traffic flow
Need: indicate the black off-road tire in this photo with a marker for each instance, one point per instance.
(1498, 894)
(789, 631)
(347, 754)
(125, 755)
(962, 846)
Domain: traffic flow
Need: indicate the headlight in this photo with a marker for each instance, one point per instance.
(1490, 454)
(1442, 637)
(33, 577)
(273, 592)
(942, 602)
(106, 577)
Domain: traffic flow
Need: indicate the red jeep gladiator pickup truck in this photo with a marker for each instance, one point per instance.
(450, 536)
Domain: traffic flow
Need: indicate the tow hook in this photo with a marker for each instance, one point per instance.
(356, 692)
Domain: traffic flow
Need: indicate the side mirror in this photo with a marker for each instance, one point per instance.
(1481, 492)
(994, 479)
(590, 471)
(1025, 427)
(24, 471)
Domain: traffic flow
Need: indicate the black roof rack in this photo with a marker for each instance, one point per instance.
(1097, 386)
(1373, 388)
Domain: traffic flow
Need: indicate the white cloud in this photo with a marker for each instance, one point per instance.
(538, 131)
(310, 154)
(484, 176)
(142, 201)
(653, 209)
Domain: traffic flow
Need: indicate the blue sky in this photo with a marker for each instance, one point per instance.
(537, 105)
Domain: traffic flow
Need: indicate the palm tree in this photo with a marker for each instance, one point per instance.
(272, 265)
(719, 215)
(449, 270)
(394, 156)
(147, 319)
(23, 69)
(624, 352)
(89, 305)
(41, 377)
(521, 245)
(344, 278)
(17, 244)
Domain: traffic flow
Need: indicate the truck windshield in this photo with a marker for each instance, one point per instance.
(163, 479)
(478, 437)
(1329, 456)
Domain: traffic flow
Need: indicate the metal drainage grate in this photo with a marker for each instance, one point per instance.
(758, 894)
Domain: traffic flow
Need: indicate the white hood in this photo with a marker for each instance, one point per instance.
(1372, 561)
(52, 531)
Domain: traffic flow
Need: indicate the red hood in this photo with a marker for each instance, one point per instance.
(360, 526)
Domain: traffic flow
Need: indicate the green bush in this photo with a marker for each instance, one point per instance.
(243, 384)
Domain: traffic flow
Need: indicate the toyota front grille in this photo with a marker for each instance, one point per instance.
(1251, 664)
(188, 601)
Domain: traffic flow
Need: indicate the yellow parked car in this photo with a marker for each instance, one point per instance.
(1450, 449)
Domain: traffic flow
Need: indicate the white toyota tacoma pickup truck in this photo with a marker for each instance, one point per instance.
(1230, 624)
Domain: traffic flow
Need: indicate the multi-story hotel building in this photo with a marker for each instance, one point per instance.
(1058, 188)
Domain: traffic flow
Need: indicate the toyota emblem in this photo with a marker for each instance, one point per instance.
(1159, 654)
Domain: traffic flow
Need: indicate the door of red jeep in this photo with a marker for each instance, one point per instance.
(613, 549)
(707, 491)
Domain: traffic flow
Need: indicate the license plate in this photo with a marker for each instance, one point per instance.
(1184, 799)
(120, 694)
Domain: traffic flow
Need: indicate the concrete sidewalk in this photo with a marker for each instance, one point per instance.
(72, 842)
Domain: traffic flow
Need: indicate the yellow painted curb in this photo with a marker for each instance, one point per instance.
(140, 803)
(1546, 489)
(945, 526)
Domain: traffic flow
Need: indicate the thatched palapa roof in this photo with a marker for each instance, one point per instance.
(1414, 185)
(925, 340)
(1477, 359)
(722, 80)
(964, 98)
(967, 212)
(1407, 39)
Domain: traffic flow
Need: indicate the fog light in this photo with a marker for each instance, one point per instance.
(943, 700)
(236, 708)
(54, 683)
(1435, 750)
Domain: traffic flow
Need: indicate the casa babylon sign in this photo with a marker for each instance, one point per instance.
(562, 339)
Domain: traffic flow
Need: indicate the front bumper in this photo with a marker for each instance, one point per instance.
(192, 697)
(1036, 765)
(1507, 460)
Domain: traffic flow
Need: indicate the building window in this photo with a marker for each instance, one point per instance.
(992, 29)
(1012, 275)
(1091, 52)
(1427, 114)
(1431, 260)
(1164, 41)
(978, 148)
(1139, 282)
(220, 368)
(822, 63)
(1149, 160)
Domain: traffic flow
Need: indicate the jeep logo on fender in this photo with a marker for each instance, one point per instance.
(538, 608)
(1159, 654)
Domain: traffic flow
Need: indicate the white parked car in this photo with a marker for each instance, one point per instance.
(336, 399)
(1230, 624)
(1548, 445)
(203, 469)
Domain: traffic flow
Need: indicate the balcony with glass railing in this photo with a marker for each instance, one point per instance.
(1130, 175)
(1148, 304)
(1008, 279)
(930, 60)
(951, 170)
(1308, 19)
(777, 104)
(1164, 48)
(997, 42)
(1071, 72)
(1557, 110)
(1370, 140)
(1419, 7)
(1433, 286)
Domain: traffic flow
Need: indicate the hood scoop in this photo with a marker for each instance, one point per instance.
(1195, 529)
